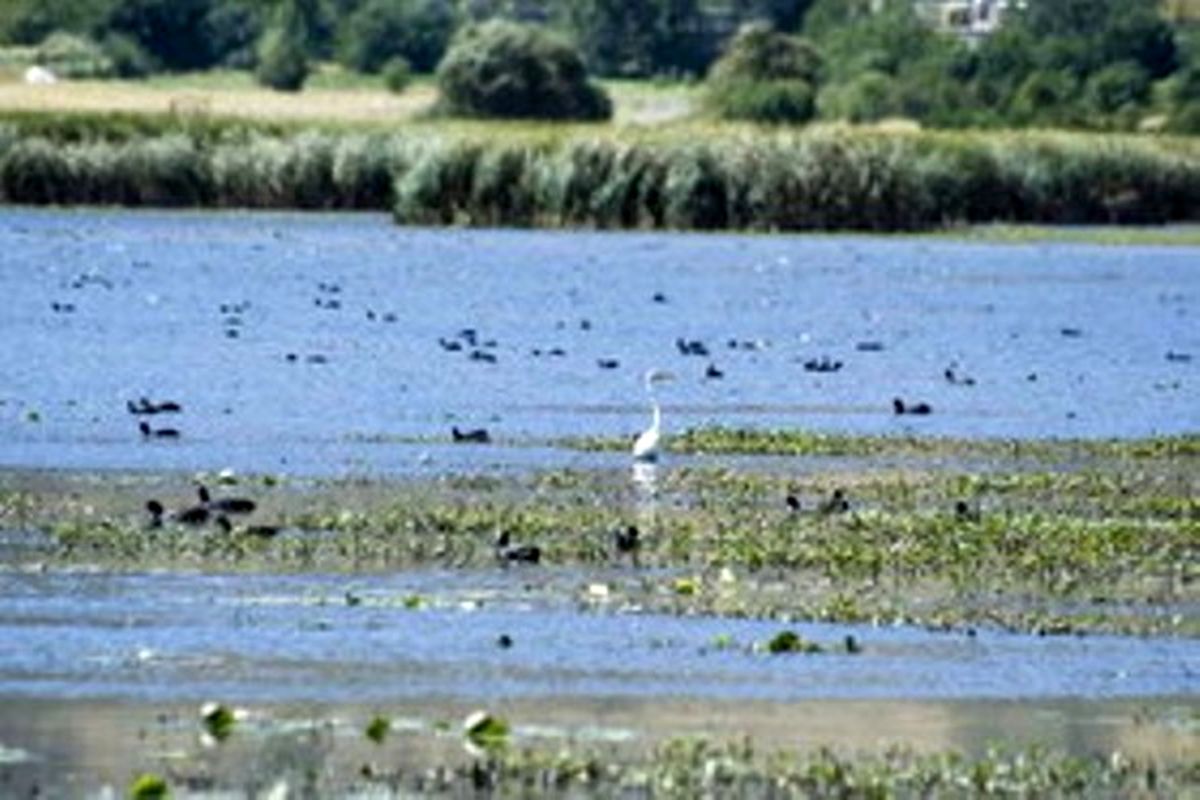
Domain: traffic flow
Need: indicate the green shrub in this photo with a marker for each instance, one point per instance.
(1117, 86)
(397, 74)
(282, 62)
(867, 97)
(777, 101)
(765, 76)
(128, 58)
(72, 56)
(504, 69)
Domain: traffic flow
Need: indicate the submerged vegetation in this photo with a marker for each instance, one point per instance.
(681, 177)
(690, 767)
(1046, 537)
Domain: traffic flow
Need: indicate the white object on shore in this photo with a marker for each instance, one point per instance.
(38, 75)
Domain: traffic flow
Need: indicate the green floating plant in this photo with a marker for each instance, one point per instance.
(791, 642)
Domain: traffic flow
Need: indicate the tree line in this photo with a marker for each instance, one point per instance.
(1073, 63)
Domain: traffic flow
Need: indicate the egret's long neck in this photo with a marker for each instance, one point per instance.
(656, 424)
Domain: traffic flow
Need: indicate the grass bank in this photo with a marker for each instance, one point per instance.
(680, 176)
(1049, 538)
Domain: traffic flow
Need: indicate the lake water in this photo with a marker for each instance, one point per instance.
(326, 344)
(272, 638)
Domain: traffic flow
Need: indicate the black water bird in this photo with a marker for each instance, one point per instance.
(156, 511)
(956, 379)
(713, 372)
(691, 347)
(628, 541)
(822, 364)
(793, 503)
(919, 409)
(607, 363)
(483, 356)
(157, 433)
(964, 512)
(507, 552)
(145, 406)
(836, 503)
(471, 435)
(192, 515)
(225, 505)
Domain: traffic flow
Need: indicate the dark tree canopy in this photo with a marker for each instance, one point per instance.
(380, 30)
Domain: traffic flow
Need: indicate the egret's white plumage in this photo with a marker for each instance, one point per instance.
(648, 442)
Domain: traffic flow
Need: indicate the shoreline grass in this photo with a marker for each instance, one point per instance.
(685, 176)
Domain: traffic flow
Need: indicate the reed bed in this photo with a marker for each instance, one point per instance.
(693, 176)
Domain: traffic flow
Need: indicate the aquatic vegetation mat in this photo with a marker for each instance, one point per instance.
(1045, 537)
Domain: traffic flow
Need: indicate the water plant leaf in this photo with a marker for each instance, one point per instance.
(149, 786)
(485, 730)
(791, 642)
(378, 728)
(218, 719)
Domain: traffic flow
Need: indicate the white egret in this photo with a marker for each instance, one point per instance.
(646, 446)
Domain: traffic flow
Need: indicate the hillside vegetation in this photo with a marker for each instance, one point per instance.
(1094, 64)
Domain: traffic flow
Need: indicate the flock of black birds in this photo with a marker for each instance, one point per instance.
(144, 407)
(210, 510)
(626, 543)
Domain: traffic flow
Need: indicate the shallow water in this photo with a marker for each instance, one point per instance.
(108, 306)
(270, 638)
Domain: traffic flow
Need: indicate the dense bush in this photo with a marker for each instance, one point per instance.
(416, 30)
(282, 63)
(397, 74)
(870, 96)
(506, 70)
(72, 56)
(765, 76)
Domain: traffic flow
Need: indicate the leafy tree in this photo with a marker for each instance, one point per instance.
(617, 36)
(233, 27)
(859, 40)
(1097, 33)
(784, 15)
(168, 30)
(30, 21)
(506, 69)
(1043, 96)
(1118, 86)
(418, 30)
(638, 38)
